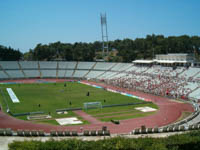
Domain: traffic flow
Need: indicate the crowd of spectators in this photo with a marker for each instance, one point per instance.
(164, 81)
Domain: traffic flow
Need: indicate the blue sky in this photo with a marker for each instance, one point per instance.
(25, 23)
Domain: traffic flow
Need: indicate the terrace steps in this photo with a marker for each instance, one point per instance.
(112, 76)
(20, 67)
(195, 74)
(106, 70)
(57, 68)
(65, 71)
(39, 69)
(193, 90)
(90, 70)
(5, 71)
(181, 72)
(75, 69)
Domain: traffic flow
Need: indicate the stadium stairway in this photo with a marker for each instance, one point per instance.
(193, 90)
(65, 70)
(5, 71)
(57, 67)
(148, 68)
(195, 74)
(20, 67)
(39, 70)
(181, 72)
(107, 70)
(124, 70)
(90, 70)
(75, 69)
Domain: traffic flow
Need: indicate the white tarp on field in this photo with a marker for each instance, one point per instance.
(66, 121)
(145, 109)
(12, 95)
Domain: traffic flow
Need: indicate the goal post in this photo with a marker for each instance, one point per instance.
(92, 105)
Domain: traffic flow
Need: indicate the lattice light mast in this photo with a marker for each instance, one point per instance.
(104, 33)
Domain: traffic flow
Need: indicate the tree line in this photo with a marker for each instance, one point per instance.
(126, 50)
(9, 54)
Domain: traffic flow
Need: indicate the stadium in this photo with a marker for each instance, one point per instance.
(103, 98)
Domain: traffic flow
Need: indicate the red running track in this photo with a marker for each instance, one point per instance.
(169, 111)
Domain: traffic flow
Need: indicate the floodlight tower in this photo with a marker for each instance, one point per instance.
(104, 33)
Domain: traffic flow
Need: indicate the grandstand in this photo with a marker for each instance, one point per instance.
(179, 82)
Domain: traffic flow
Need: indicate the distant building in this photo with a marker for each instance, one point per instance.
(173, 59)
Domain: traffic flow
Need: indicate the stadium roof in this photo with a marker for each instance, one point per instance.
(159, 61)
(143, 61)
(171, 61)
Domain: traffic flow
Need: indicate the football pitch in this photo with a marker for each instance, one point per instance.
(48, 97)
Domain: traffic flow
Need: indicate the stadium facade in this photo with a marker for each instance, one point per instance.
(175, 59)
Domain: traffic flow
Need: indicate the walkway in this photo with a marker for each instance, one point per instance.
(87, 117)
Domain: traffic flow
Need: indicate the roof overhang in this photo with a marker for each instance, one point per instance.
(165, 61)
(143, 61)
(171, 61)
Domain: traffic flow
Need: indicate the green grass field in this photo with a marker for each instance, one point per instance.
(53, 96)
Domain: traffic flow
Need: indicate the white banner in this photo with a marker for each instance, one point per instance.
(12, 95)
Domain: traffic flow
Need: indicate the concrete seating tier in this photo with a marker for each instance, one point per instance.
(85, 65)
(48, 73)
(103, 66)
(3, 75)
(67, 65)
(29, 64)
(15, 73)
(195, 94)
(61, 73)
(94, 74)
(190, 72)
(120, 66)
(32, 73)
(48, 65)
(106, 75)
(9, 64)
(69, 73)
(80, 73)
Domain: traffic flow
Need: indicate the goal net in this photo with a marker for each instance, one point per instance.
(92, 105)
